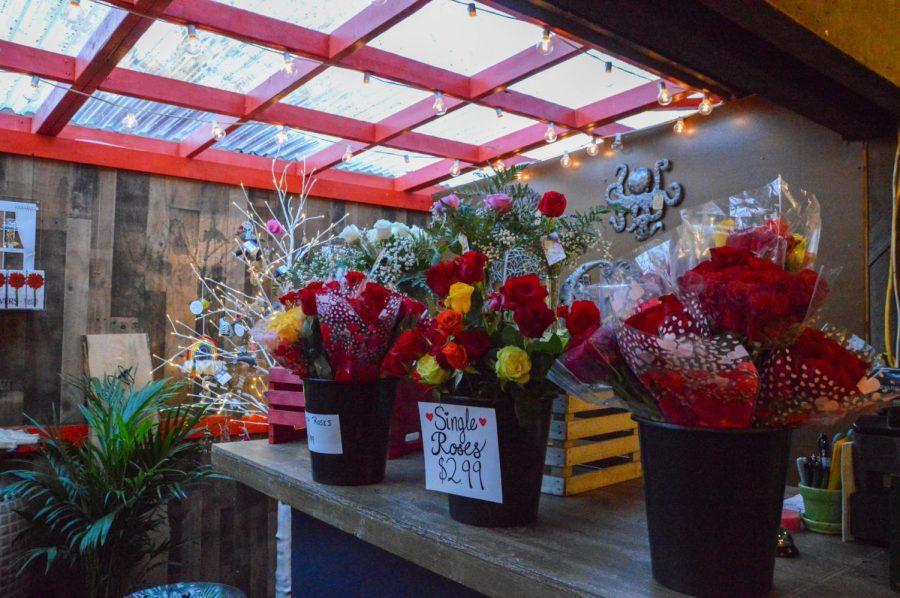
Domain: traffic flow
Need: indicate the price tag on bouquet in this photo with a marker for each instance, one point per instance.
(461, 451)
(323, 433)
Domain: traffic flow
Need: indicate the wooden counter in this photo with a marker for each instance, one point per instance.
(593, 544)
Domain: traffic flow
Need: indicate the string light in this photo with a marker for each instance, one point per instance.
(550, 135)
(705, 108)
(454, 170)
(617, 145)
(191, 42)
(367, 78)
(281, 136)
(679, 126)
(31, 92)
(129, 121)
(594, 148)
(440, 108)
(218, 132)
(348, 154)
(665, 96)
(406, 158)
(473, 11)
(565, 161)
(545, 46)
(288, 67)
(74, 11)
(499, 166)
(498, 111)
(608, 67)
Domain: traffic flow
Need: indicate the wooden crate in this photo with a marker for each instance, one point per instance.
(589, 448)
(287, 413)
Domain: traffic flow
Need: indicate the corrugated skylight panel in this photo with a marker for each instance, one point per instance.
(160, 121)
(442, 34)
(17, 94)
(466, 178)
(45, 24)
(321, 15)
(582, 80)
(651, 118)
(386, 162)
(260, 139)
(558, 147)
(222, 62)
(474, 124)
(342, 91)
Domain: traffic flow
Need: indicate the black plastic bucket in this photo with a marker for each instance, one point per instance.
(714, 500)
(364, 411)
(522, 453)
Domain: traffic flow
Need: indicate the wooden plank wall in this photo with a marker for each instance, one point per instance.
(117, 246)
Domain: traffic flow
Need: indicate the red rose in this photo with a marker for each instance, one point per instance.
(35, 281)
(410, 307)
(374, 297)
(521, 290)
(583, 319)
(562, 311)
(410, 345)
(306, 296)
(16, 280)
(470, 267)
(440, 277)
(453, 357)
(450, 322)
(353, 279)
(533, 318)
(665, 314)
(552, 204)
(494, 302)
(476, 343)
(393, 364)
(429, 329)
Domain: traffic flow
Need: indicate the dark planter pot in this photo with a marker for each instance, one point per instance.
(364, 410)
(714, 500)
(522, 453)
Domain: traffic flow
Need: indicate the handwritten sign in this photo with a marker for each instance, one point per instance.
(323, 433)
(461, 453)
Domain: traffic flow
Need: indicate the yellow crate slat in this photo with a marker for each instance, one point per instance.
(562, 486)
(592, 451)
(570, 404)
(593, 426)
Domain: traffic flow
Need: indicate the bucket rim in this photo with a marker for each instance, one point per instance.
(724, 431)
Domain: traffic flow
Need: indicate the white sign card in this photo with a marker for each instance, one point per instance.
(461, 450)
(323, 433)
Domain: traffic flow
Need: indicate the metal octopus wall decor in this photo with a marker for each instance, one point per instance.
(642, 195)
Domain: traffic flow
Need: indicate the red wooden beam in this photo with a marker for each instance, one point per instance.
(117, 150)
(627, 103)
(115, 36)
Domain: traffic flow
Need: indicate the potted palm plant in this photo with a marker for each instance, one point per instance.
(96, 505)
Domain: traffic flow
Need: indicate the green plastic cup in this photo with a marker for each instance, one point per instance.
(821, 505)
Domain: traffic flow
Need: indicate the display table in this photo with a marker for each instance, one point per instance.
(593, 544)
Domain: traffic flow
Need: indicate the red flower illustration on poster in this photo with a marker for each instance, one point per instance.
(35, 281)
(17, 281)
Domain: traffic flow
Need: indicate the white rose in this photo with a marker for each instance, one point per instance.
(415, 231)
(382, 230)
(350, 234)
(400, 230)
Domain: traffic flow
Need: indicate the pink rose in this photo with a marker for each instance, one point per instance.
(499, 202)
(448, 201)
(275, 227)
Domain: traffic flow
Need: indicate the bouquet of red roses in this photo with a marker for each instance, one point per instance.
(337, 330)
(479, 343)
(728, 345)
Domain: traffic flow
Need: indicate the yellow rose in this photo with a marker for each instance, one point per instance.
(513, 364)
(796, 259)
(288, 325)
(722, 231)
(430, 371)
(460, 297)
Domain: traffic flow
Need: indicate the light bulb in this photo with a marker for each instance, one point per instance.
(550, 135)
(679, 126)
(378, 2)
(545, 46)
(191, 42)
(665, 96)
(74, 11)
(440, 108)
(705, 108)
(217, 131)
(498, 111)
(367, 78)
(617, 145)
(473, 11)
(608, 67)
(454, 170)
(348, 154)
(406, 158)
(281, 136)
(129, 121)
(594, 148)
(31, 92)
(565, 161)
(499, 166)
(288, 67)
